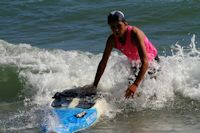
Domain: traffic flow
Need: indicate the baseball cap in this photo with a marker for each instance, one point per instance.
(116, 16)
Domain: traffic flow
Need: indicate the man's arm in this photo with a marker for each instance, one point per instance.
(138, 36)
(142, 53)
(104, 60)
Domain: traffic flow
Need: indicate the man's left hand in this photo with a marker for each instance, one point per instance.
(130, 91)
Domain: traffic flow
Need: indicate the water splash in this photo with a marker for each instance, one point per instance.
(45, 72)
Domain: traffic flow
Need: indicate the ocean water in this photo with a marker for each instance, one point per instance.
(49, 46)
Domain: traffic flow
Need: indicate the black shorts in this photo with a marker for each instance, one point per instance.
(151, 71)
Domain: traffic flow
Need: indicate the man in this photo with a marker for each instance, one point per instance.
(132, 42)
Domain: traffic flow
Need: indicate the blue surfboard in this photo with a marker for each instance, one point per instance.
(73, 119)
(72, 113)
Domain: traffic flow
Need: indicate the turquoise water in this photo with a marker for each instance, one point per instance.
(48, 46)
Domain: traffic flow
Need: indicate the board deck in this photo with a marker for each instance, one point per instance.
(73, 112)
(74, 119)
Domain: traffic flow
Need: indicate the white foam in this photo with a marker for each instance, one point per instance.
(45, 72)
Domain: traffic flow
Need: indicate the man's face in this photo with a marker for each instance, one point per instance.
(118, 28)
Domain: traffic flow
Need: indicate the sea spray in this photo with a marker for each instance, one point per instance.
(45, 72)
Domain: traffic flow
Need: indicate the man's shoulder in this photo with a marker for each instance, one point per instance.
(111, 37)
(111, 40)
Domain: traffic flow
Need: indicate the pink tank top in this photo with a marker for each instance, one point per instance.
(130, 49)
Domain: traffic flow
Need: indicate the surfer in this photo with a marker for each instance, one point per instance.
(133, 43)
